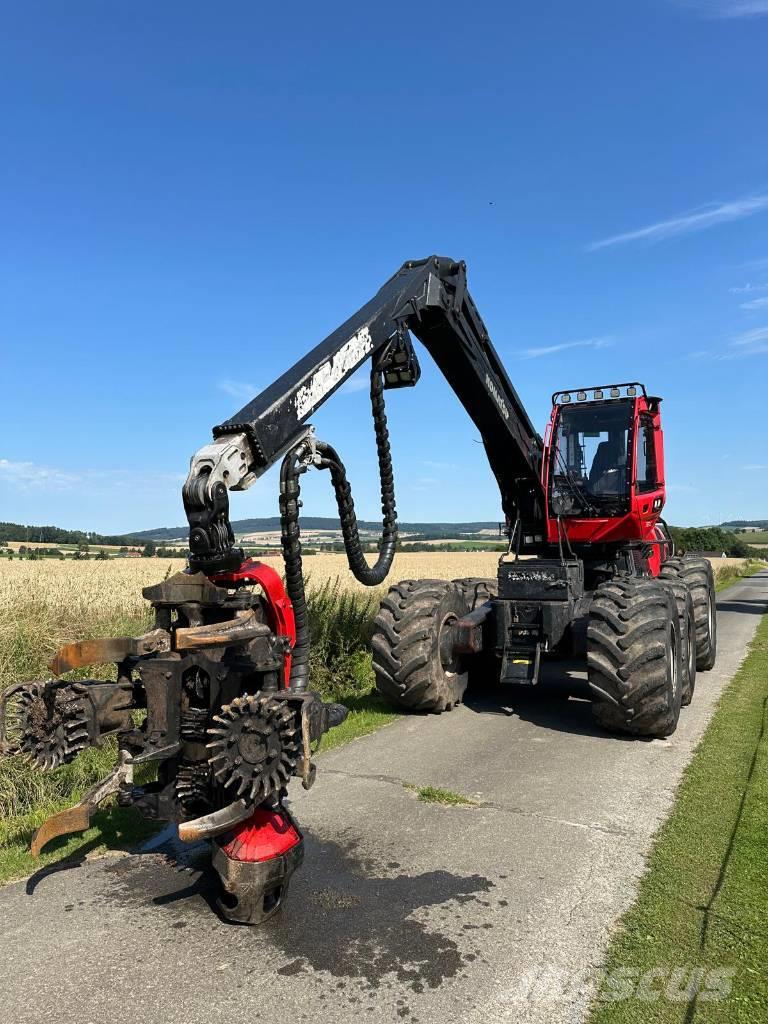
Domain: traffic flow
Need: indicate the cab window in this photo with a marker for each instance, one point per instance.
(590, 468)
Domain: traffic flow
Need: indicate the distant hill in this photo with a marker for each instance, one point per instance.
(55, 535)
(690, 539)
(272, 524)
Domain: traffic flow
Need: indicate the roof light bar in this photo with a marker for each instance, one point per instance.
(601, 393)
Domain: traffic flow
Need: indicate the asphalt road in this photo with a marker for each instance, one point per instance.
(403, 911)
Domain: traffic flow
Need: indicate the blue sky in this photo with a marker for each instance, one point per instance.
(194, 194)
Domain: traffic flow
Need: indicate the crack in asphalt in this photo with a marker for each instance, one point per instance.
(392, 780)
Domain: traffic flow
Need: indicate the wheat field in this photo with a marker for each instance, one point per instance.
(44, 604)
(86, 590)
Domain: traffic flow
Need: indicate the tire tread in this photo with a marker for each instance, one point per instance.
(407, 671)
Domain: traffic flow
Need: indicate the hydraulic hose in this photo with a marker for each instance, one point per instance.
(291, 469)
(369, 575)
(294, 464)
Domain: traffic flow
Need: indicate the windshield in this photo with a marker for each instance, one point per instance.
(589, 459)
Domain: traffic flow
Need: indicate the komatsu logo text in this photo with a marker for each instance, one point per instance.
(496, 396)
(532, 576)
(331, 372)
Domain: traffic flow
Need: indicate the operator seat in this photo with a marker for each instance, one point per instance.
(604, 473)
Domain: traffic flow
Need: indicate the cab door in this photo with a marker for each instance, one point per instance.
(648, 476)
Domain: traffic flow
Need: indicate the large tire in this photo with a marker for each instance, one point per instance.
(633, 657)
(697, 574)
(672, 579)
(412, 658)
(477, 590)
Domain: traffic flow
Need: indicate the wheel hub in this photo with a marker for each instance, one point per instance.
(448, 657)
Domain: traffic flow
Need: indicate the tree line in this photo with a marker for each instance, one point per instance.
(55, 535)
(713, 538)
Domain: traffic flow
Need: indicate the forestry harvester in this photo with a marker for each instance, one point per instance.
(217, 694)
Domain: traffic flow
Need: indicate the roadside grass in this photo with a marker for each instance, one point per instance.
(117, 828)
(703, 902)
(436, 795)
(366, 714)
(729, 574)
(30, 633)
(341, 622)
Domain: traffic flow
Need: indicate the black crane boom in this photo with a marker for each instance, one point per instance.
(427, 297)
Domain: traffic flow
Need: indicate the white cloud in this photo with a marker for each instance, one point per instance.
(238, 389)
(697, 220)
(548, 350)
(359, 381)
(754, 465)
(744, 289)
(754, 337)
(756, 303)
(750, 343)
(728, 8)
(425, 484)
(28, 475)
(755, 350)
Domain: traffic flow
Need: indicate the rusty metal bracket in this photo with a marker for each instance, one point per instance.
(184, 588)
(215, 824)
(308, 769)
(108, 649)
(243, 628)
(78, 818)
(468, 631)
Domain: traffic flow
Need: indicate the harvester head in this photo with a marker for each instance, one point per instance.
(205, 696)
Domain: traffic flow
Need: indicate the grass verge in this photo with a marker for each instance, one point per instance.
(30, 633)
(702, 908)
(730, 574)
(341, 622)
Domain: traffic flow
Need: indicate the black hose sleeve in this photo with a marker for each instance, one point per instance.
(294, 464)
(370, 575)
(290, 471)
